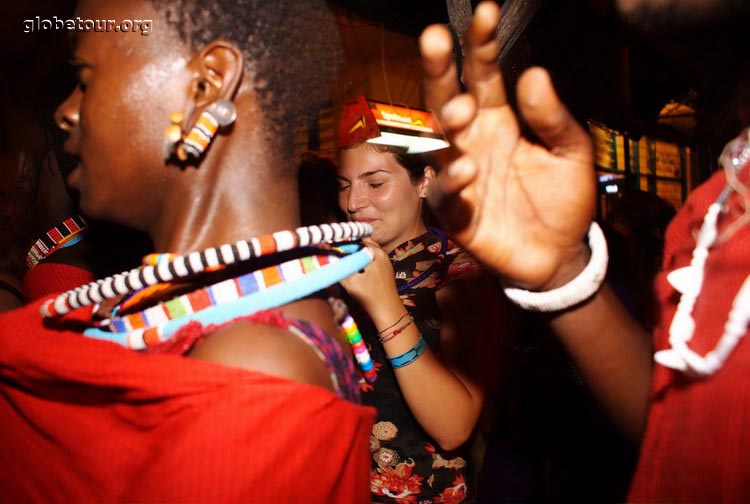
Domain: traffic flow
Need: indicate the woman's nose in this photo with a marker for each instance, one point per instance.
(356, 200)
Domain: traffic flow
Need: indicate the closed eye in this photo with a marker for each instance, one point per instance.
(79, 67)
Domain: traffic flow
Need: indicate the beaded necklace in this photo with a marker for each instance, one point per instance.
(244, 295)
(196, 262)
(167, 318)
(689, 282)
(218, 293)
(67, 233)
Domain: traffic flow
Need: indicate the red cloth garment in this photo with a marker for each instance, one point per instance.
(85, 420)
(48, 278)
(697, 439)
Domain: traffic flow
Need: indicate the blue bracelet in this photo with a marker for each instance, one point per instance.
(410, 355)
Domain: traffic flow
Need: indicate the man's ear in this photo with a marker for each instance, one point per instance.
(424, 184)
(218, 72)
(216, 76)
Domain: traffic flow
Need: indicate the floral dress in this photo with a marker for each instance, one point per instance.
(407, 465)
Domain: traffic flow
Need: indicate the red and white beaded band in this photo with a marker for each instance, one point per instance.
(54, 239)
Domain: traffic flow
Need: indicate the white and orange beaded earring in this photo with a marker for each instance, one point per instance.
(192, 146)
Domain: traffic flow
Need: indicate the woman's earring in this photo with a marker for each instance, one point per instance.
(191, 146)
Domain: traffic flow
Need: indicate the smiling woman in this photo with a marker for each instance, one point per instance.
(253, 405)
(434, 324)
(385, 188)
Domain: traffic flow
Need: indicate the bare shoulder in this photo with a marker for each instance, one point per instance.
(267, 349)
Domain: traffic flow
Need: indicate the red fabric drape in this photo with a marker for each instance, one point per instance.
(48, 277)
(88, 421)
(697, 440)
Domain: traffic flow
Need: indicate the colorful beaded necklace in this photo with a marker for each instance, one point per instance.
(196, 262)
(65, 234)
(229, 299)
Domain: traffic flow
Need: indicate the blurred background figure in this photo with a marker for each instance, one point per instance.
(635, 228)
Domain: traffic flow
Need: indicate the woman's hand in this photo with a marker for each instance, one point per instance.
(521, 208)
(375, 284)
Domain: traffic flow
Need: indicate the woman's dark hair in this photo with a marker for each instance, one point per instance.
(318, 190)
(292, 50)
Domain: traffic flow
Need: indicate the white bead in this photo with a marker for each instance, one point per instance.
(683, 279)
(670, 359)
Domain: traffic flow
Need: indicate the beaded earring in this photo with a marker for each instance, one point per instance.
(191, 146)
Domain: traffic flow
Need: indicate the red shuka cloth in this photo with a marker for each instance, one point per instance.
(697, 439)
(47, 278)
(84, 420)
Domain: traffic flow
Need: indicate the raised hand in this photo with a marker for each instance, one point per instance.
(521, 208)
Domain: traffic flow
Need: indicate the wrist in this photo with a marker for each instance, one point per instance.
(384, 312)
(570, 267)
(393, 330)
(583, 286)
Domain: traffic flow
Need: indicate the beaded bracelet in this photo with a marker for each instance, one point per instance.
(393, 325)
(410, 355)
(581, 288)
(398, 330)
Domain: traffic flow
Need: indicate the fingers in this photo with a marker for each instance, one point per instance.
(457, 169)
(457, 114)
(445, 194)
(481, 71)
(549, 118)
(376, 251)
(452, 180)
(372, 244)
(440, 75)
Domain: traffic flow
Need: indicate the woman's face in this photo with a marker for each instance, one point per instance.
(129, 83)
(375, 188)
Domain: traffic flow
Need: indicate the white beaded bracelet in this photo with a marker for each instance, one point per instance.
(582, 287)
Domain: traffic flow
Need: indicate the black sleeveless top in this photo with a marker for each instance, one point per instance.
(407, 465)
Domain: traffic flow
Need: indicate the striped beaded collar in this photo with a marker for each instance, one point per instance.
(182, 266)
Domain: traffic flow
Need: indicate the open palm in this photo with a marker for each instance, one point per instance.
(521, 207)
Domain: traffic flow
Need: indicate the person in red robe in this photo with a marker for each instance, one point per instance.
(255, 409)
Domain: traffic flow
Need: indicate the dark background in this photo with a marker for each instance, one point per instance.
(603, 69)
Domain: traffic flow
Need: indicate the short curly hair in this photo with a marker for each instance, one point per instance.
(292, 49)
